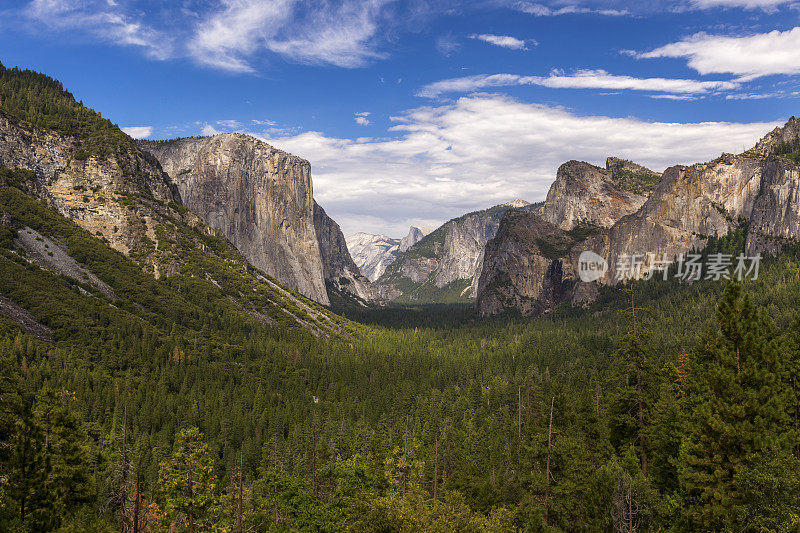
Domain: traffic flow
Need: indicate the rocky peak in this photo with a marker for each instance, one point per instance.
(788, 134)
(584, 194)
(445, 265)
(755, 193)
(415, 235)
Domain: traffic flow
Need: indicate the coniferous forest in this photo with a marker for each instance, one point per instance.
(664, 406)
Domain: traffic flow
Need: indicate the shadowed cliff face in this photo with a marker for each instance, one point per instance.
(760, 188)
(337, 266)
(445, 265)
(257, 197)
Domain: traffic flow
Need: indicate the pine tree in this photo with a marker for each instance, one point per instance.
(188, 479)
(735, 409)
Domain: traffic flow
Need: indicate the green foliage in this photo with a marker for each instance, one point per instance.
(738, 401)
(188, 481)
(641, 182)
(42, 101)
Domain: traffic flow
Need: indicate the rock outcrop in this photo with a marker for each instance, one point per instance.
(520, 272)
(445, 265)
(584, 194)
(338, 267)
(757, 192)
(116, 197)
(257, 197)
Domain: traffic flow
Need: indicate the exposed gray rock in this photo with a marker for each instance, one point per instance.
(689, 205)
(451, 254)
(257, 197)
(372, 253)
(590, 195)
(337, 266)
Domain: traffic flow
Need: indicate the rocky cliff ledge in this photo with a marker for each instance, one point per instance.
(338, 267)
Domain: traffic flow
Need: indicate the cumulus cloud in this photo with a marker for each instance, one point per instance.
(752, 56)
(482, 150)
(504, 41)
(582, 79)
(361, 118)
(138, 132)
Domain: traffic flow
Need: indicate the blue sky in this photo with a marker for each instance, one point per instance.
(415, 112)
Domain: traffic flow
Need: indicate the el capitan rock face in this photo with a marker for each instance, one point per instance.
(257, 197)
(759, 190)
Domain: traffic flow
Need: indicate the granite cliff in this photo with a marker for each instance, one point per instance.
(339, 270)
(373, 253)
(257, 197)
(261, 199)
(75, 187)
(757, 192)
(445, 265)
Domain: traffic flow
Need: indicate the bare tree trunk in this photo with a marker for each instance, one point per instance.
(436, 469)
(123, 511)
(138, 498)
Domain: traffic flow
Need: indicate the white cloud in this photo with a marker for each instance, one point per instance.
(103, 20)
(752, 56)
(447, 45)
(138, 132)
(230, 124)
(582, 79)
(749, 4)
(305, 32)
(483, 150)
(505, 41)
(208, 129)
(361, 118)
(542, 10)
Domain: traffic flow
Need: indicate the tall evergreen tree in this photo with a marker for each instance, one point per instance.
(735, 409)
(188, 480)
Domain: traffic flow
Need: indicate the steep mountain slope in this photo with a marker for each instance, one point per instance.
(758, 192)
(373, 253)
(261, 199)
(445, 265)
(340, 272)
(56, 151)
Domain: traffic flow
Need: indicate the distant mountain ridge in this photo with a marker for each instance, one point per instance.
(445, 265)
(373, 253)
